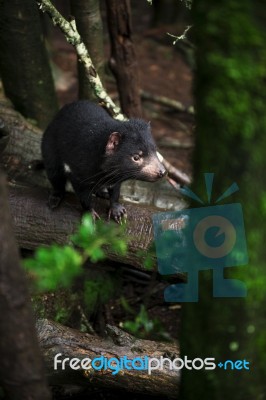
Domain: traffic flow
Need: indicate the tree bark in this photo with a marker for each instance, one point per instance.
(55, 338)
(36, 225)
(231, 142)
(123, 58)
(24, 65)
(21, 367)
(89, 24)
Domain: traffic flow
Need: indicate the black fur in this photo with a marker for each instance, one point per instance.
(99, 151)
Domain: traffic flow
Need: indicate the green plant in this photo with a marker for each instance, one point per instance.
(142, 326)
(56, 266)
(99, 290)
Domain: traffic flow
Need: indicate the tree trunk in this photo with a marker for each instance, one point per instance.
(123, 58)
(21, 368)
(24, 65)
(89, 24)
(231, 142)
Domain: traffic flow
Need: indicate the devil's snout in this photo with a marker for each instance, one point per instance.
(162, 172)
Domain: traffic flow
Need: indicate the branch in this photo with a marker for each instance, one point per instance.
(165, 101)
(181, 37)
(174, 173)
(72, 36)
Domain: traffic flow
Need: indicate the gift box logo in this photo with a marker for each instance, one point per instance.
(209, 237)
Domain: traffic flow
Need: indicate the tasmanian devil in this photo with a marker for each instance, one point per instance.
(85, 145)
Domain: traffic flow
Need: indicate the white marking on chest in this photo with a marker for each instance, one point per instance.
(67, 168)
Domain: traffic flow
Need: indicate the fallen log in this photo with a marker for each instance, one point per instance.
(35, 224)
(19, 146)
(55, 338)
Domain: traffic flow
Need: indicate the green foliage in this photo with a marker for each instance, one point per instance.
(98, 290)
(94, 237)
(57, 266)
(60, 306)
(126, 306)
(148, 262)
(62, 314)
(148, 257)
(142, 326)
(54, 266)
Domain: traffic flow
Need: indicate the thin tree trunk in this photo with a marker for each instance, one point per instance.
(89, 24)
(24, 65)
(21, 367)
(123, 58)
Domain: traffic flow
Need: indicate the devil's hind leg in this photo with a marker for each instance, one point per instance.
(57, 177)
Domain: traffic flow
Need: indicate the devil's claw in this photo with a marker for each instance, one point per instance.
(117, 212)
(94, 215)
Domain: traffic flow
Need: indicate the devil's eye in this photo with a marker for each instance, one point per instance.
(136, 157)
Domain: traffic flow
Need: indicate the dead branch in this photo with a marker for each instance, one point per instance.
(73, 37)
(174, 173)
(165, 101)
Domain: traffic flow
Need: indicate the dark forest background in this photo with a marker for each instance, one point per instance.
(205, 98)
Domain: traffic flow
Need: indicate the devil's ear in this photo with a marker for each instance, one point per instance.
(113, 142)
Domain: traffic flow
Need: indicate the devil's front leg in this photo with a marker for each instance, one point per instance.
(84, 193)
(117, 211)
